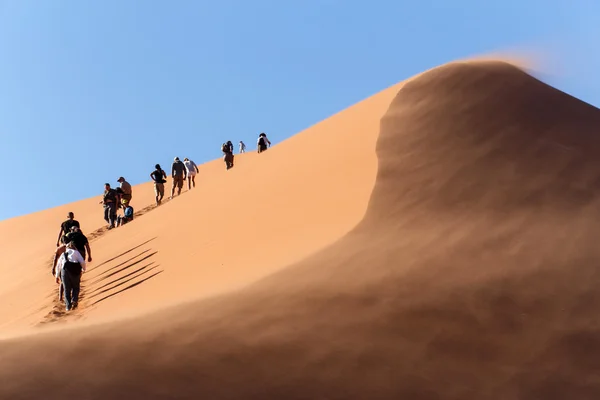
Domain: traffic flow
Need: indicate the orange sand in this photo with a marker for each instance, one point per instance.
(444, 251)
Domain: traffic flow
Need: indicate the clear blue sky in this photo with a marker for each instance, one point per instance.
(91, 90)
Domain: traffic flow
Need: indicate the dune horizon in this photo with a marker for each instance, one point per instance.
(433, 241)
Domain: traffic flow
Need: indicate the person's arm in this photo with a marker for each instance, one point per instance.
(173, 170)
(59, 267)
(54, 261)
(89, 251)
(80, 260)
(164, 174)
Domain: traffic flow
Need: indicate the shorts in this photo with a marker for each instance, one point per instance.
(125, 202)
(178, 181)
(159, 189)
(191, 174)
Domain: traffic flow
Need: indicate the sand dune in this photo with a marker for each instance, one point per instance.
(472, 273)
(299, 196)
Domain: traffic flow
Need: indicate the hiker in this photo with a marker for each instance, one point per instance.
(110, 199)
(69, 268)
(59, 251)
(65, 227)
(242, 147)
(191, 169)
(227, 149)
(81, 242)
(126, 217)
(179, 175)
(125, 192)
(263, 142)
(160, 178)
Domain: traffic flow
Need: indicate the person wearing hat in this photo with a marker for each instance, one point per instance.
(179, 175)
(125, 192)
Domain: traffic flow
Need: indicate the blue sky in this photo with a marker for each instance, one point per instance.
(91, 90)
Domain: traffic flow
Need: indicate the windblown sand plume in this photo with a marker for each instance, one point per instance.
(472, 274)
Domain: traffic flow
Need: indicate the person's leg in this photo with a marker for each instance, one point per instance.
(76, 284)
(113, 214)
(189, 182)
(65, 276)
(194, 180)
(179, 185)
(106, 213)
(161, 192)
(173, 188)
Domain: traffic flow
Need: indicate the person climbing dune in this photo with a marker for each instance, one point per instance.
(227, 149)
(191, 169)
(159, 176)
(69, 269)
(109, 200)
(81, 242)
(179, 175)
(242, 147)
(263, 143)
(125, 192)
(66, 226)
(57, 253)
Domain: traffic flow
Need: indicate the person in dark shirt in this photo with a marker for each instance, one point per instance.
(159, 176)
(179, 175)
(81, 242)
(110, 200)
(227, 149)
(66, 226)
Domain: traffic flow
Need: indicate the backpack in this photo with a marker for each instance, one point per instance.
(225, 148)
(129, 212)
(72, 267)
(261, 141)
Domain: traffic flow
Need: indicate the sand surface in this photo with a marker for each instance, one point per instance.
(436, 241)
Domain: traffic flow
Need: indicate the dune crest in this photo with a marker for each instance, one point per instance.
(473, 274)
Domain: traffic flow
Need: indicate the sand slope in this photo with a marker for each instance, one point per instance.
(473, 274)
(236, 226)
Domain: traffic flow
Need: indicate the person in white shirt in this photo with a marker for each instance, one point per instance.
(191, 169)
(69, 268)
(242, 147)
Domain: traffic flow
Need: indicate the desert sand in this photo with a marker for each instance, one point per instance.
(435, 241)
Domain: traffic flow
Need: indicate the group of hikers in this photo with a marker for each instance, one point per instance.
(262, 144)
(113, 199)
(69, 261)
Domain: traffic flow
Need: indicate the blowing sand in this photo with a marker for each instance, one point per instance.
(445, 249)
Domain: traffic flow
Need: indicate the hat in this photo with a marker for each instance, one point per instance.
(120, 179)
(176, 159)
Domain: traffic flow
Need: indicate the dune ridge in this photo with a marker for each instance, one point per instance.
(472, 274)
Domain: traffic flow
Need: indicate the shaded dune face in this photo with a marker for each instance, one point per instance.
(474, 274)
